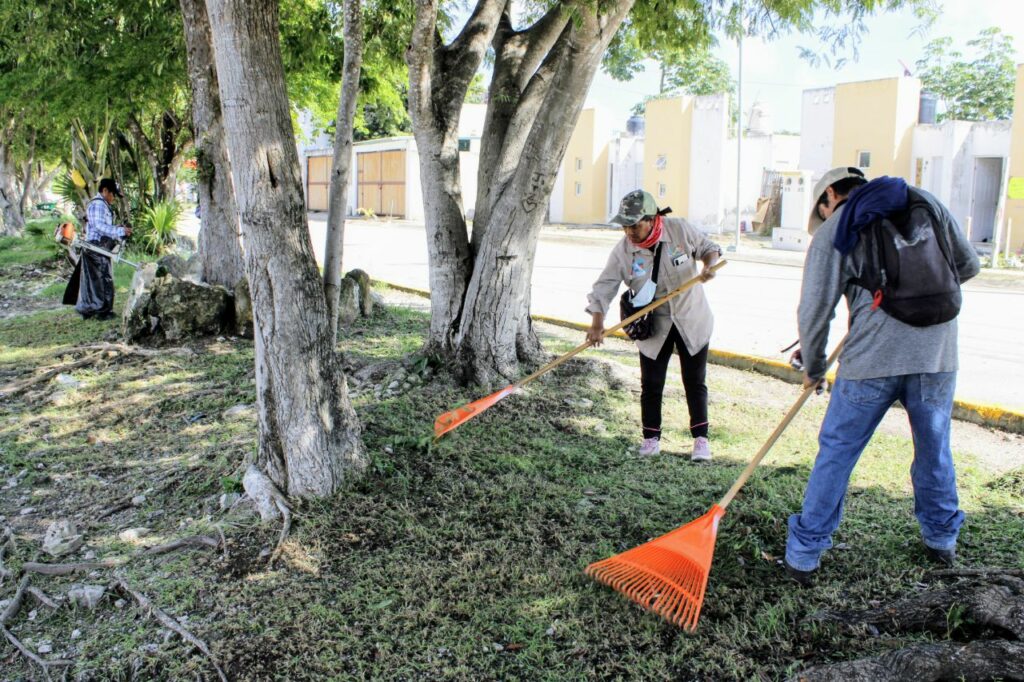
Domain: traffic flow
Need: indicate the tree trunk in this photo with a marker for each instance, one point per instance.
(309, 442)
(165, 160)
(220, 251)
(13, 221)
(541, 76)
(26, 175)
(338, 197)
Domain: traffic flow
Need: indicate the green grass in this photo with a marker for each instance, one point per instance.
(443, 554)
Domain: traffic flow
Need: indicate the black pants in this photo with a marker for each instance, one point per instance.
(96, 286)
(652, 386)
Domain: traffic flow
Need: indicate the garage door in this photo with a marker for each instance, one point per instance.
(381, 182)
(318, 182)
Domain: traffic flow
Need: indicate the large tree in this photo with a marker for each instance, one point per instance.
(480, 284)
(219, 249)
(973, 89)
(309, 436)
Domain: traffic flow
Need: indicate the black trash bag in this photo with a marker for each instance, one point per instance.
(96, 282)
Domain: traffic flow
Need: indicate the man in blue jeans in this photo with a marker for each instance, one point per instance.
(884, 361)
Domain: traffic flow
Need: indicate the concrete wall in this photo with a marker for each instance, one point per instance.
(877, 117)
(708, 163)
(1015, 207)
(585, 170)
(817, 122)
(626, 165)
(667, 152)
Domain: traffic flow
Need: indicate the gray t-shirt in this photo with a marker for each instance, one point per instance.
(877, 345)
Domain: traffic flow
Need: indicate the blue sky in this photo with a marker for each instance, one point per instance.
(774, 74)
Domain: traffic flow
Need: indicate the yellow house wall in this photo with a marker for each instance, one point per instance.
(1015, 207)
(877, 117)
(586, 164)
(669, 127)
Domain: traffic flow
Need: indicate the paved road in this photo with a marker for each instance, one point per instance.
(754, 302)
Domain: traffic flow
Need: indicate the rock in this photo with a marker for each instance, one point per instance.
(87, 596)
(498, 647)
(67, 381)
(62, 538)
(138, 500)
(33, 614)
(243, 309)
(45, 648)
(89, 556)
(262, 491)
(348, 301)
(133, 535)
(582, 403)
(76, 633)
(172, 264)
(181, 308)
(393, 385)
(365, 294)
(120, 604)
(377, 298)
(228, 500)
(27, 510)
(238, 412)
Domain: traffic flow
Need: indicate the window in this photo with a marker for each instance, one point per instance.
(579, 163)
(864, 159)
(464, 144)
(579, 188)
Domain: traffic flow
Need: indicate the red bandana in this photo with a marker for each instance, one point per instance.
(653, 237)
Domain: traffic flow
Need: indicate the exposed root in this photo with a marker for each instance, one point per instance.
(43, 598)
(45, 665)
(223, 542)
(68, 569)
(286, 527)
(19, 596)
(171, 624)
(980, 572)
(191, 541)
(16, 387)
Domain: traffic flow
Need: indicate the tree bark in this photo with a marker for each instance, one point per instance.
(26, 174)
(541, 76)
(13, 221)
(309, 440)
(220, 251)
(164, 159)
(438, 79)
(340, 171)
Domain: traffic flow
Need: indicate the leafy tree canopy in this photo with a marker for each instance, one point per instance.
(978, 87)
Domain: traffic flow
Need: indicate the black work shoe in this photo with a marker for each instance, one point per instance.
(805, 578)
(946, 557)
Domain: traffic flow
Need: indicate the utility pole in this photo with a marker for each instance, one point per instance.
(739, 130)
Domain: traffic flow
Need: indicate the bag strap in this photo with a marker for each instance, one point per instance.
(657, 262)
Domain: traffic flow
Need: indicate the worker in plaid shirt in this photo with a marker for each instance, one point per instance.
(96, 288)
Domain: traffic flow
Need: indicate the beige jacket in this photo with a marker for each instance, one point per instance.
(683, 247)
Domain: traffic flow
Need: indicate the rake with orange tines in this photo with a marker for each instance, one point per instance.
(668, 575)
(460, 415)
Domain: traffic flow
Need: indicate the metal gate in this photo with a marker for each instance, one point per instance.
(988, 176)
(381, 182)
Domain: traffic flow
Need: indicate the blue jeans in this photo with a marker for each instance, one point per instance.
(854, 411)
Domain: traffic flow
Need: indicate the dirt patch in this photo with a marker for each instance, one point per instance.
(22, 286)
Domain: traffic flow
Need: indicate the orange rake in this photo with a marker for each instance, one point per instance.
(460, 415)
(668, 575)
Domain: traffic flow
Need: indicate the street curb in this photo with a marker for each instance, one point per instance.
(992, 416)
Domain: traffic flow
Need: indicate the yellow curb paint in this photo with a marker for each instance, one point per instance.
(985, 415)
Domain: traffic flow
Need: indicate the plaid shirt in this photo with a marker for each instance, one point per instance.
(100, 221)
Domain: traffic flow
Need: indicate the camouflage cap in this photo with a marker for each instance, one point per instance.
(633, 207)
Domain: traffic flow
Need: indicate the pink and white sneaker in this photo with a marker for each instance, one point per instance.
(649, 447)
(701, 450)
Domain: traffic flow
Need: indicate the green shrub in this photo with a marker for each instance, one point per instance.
(159, 226)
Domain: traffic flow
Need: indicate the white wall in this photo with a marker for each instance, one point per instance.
(708, 163)
(626, 161)
(760, 153)
(817, 121)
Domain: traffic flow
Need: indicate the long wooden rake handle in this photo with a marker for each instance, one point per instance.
(776, 433)
(611, 330)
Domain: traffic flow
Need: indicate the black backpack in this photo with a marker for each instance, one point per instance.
(909, 267)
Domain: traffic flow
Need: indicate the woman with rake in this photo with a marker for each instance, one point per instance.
(656, 255)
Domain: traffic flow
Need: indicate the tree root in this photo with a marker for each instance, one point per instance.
(68, 569)
(43, 598)
(997, 603)
(191, 541)
(16, 387)
(45, 665)
(269, 501)
(171, 624)
(982, 660)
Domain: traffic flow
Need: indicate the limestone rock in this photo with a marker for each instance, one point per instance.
(133, 535)
(242, 411)
(172, 309)
(365, 291)
(243, 309)
(86, 595)
(172, 264)
(61, 538)
(348, 301)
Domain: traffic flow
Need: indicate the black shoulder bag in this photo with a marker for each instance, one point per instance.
(643, 327)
